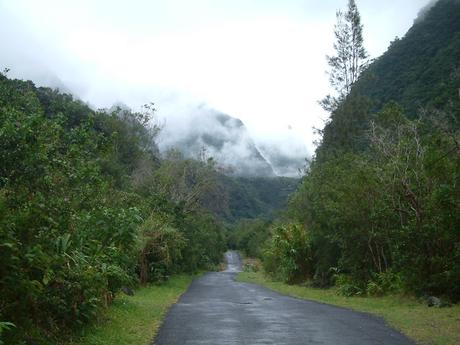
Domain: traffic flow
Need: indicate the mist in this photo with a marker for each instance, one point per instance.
(261, 62)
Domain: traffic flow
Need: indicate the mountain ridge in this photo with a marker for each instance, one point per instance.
(421, 69)
(222, 137)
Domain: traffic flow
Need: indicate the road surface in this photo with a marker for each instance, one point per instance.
(218, 310)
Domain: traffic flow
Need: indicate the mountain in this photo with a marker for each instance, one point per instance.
(382, 194)
(419, 71)
(286, 160)
(422, 68)
(217, 135)
(255, 197)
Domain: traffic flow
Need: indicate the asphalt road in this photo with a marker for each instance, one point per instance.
(218, 310)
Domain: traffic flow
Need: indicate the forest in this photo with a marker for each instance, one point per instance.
(378, 210)
(90, 207)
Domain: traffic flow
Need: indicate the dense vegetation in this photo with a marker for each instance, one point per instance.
(87, 206)
(255, 197)
(379, 207)
(420, 70)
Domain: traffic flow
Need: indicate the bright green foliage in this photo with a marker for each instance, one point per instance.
(134, 320)
(83, 211)
(384, 283)
(49, 182)
(3, 327)
(289, 255)
(161, 249)
(206, 242)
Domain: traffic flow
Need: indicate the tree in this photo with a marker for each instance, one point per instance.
(87, 206)
(351, 57)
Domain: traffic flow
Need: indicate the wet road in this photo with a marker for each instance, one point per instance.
(233, 261)
(217, 310)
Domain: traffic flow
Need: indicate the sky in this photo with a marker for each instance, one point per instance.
(262, 61)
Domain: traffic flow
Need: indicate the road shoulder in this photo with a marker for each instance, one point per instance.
(423, 324)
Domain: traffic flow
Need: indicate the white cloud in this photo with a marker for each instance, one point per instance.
(261, 61)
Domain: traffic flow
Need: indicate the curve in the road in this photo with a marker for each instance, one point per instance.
(218, 310)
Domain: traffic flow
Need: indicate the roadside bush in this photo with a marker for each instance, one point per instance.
(346, 286)
(392, 207)
(384, 283)
(161, 248)
(82, 213)
(4, 327)
(251, 265)
(288, 255)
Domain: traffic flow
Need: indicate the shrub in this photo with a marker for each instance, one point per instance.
(289, 255)
(347, 286)
(161, 248)
(383, 283)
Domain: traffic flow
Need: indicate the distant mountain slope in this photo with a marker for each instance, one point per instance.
(420, 70)
(423, 68)
(255, 197)
(224, 138)
(286, 160)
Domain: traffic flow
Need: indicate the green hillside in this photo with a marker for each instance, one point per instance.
(378, 210)
(256, 197)
(422, 68)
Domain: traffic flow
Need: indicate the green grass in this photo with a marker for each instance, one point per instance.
(134, 320)
(428, 326)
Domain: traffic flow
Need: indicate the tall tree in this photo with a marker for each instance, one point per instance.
(351, 57)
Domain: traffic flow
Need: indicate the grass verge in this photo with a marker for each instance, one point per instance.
(427, 326)
(135, 320)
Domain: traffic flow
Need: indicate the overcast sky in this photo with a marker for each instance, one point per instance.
(262, 61)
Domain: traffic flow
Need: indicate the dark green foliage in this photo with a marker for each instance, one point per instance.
(205, 242)
(423, 68)
(381, 198)
(84, 210)
(255, 197)
(346, 129)
(394, 207)
(249, 235)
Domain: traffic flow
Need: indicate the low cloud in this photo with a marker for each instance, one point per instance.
(262, 62)
(424, 11)
(224, 138)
